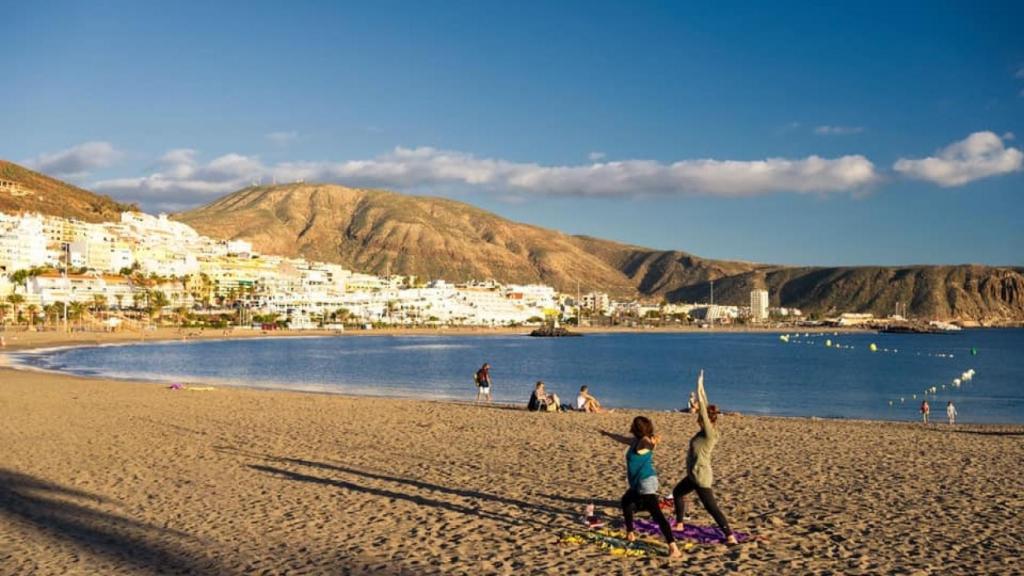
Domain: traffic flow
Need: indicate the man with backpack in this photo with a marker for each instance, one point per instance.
(483, 382)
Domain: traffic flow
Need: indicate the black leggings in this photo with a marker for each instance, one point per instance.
(632, 500)
(707, 498)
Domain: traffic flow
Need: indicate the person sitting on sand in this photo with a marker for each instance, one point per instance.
(586, 402)
(542, 401)
(643, 482)
(699, 476)
(692, 404)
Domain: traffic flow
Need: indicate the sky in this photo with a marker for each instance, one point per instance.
(792, 133)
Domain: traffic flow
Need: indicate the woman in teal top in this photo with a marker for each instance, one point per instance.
(698, 465)
(643, 482)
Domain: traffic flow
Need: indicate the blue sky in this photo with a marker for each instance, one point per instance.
(875, 133)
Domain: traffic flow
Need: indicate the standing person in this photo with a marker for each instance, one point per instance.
(699, 476)
(925, 410)
(951, 412)
(643, 482)
(483, 382)
(692, 404)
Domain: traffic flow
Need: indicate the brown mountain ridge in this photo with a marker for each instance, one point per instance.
(430, 237)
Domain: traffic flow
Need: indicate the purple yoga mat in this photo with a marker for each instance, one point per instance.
(693, 533)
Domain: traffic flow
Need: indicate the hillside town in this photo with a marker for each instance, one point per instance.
(148, 269)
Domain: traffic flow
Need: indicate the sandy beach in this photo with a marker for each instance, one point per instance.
(113, 477)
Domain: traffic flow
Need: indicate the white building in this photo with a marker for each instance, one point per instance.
(22, 243)
(758, 305)
(51, 287)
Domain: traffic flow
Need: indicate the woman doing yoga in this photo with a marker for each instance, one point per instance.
(643, 482)
(698, 466)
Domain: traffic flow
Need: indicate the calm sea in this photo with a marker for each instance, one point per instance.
(750, 373)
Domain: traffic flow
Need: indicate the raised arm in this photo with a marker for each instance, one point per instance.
(702, 401)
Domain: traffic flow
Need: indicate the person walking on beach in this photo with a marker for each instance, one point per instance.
(643, 482)
(483, 382)
(951, 412)
(925, 410)
(699, 476)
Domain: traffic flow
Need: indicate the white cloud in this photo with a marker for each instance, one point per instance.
(179, 179)
(595, 156)
(77, 160)
(980, 155)
(837, 130)
(428, 167)
(282, 138)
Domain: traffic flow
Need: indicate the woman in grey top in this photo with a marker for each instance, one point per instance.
(698, 466)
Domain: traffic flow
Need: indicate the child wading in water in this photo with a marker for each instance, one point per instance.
(643, 482)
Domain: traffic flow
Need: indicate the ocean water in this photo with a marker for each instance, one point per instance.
(745, 372)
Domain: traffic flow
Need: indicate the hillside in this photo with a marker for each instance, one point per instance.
(379, 231)
(35, 192)
(965, 292)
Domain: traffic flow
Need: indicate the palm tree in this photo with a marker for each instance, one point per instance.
(51, 313)
(183, 315)
(343, 315)
(75, 311)
(16, 300)
(99, 303)
(20, 277)
(32, 311)
(157, 302)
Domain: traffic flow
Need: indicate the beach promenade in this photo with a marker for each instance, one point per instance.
(112, 477)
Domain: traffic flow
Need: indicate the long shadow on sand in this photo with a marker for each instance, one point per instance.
(419, 484)
(131, 546)
(474, 494)
(384, 493)
(49, 508)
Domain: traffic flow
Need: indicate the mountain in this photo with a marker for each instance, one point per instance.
(379, 231)
(430, 237)
(965, 292)
(23, 190)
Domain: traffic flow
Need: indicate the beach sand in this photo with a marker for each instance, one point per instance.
(111, 477)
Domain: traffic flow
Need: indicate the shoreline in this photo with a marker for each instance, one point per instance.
(18, 340)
